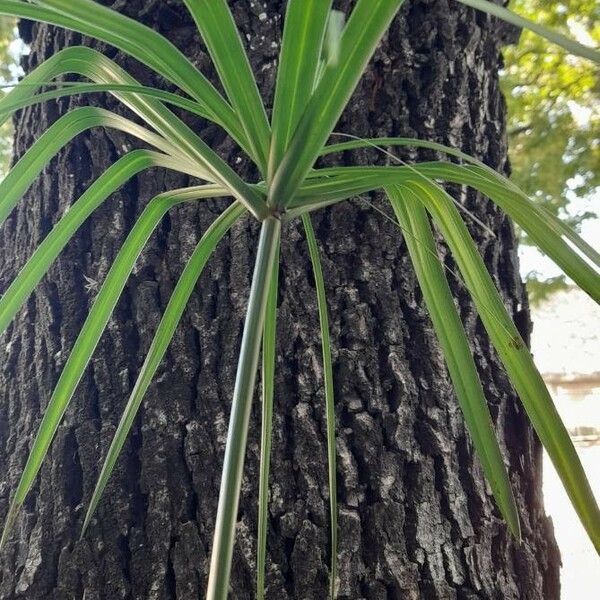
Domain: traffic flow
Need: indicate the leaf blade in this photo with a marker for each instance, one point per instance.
(137, 40)
(449, 330)
(514, 355)
(128, 166)
(162, 338)
(304, 31)
(93, 88)
(31, 164)
(366, 25)
(268, 388)
(91, 332)
(545, 229)
(329, 394)
(90, 63)
(219, 31)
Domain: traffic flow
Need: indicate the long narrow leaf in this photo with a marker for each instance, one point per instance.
(381, 142)
(92, 64)
(450, 332)
(218, 29)
(345, 182)
(200, 159)
(510, 17)
(268, 388)
(183, 140)
(84, 61)
(66, 89)
(31, 164)
(162, 339)
(237, 435)
(367, 24)
(562, 228)
(92, 330)
(329, 395)
(137, 40)
(304, 30)
(175, 138)
(545, 229)
(514, 354)
(39, 263)
(549, 233)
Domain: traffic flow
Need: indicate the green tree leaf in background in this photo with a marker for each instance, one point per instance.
(8, 62)
(554, 116)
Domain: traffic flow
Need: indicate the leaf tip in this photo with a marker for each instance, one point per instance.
(13, 511)
(88, 518)
(514, 526)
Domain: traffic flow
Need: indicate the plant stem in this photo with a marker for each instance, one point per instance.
(235, 450)
(268, 384)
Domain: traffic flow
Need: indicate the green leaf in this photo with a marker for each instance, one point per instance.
(344, 182)
(543, 228)
(93, 328)
(219, 32)
(137, 40)
(66, 89)
(547, 231)
(303, 34)
(450, 332)
(176, 138)
(237, 435)
(268, 385)
(367, 24)
(380, 142)
(41, 260)
(333, 37)
(510, 17)
(329, 395)
(562, 228)
(89, 63)
(162, 338)
(513, 353)
(93, 65)
(182, 140)
(31, 164)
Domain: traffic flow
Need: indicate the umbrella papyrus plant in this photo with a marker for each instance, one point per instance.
(323, 56)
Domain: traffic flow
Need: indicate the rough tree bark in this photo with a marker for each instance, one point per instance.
(416, 518)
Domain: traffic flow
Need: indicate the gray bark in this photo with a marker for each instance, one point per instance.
(416, 517)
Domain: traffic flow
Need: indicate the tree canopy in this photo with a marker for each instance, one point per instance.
(554, 115)
(8, 62)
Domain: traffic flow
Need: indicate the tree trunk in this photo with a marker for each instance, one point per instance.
(416, 517)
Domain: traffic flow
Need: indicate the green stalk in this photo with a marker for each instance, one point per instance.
(315, 259)
(268, 385)
(235, 450)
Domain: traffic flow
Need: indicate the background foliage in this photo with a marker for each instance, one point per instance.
(8, 66)
(554, 116)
